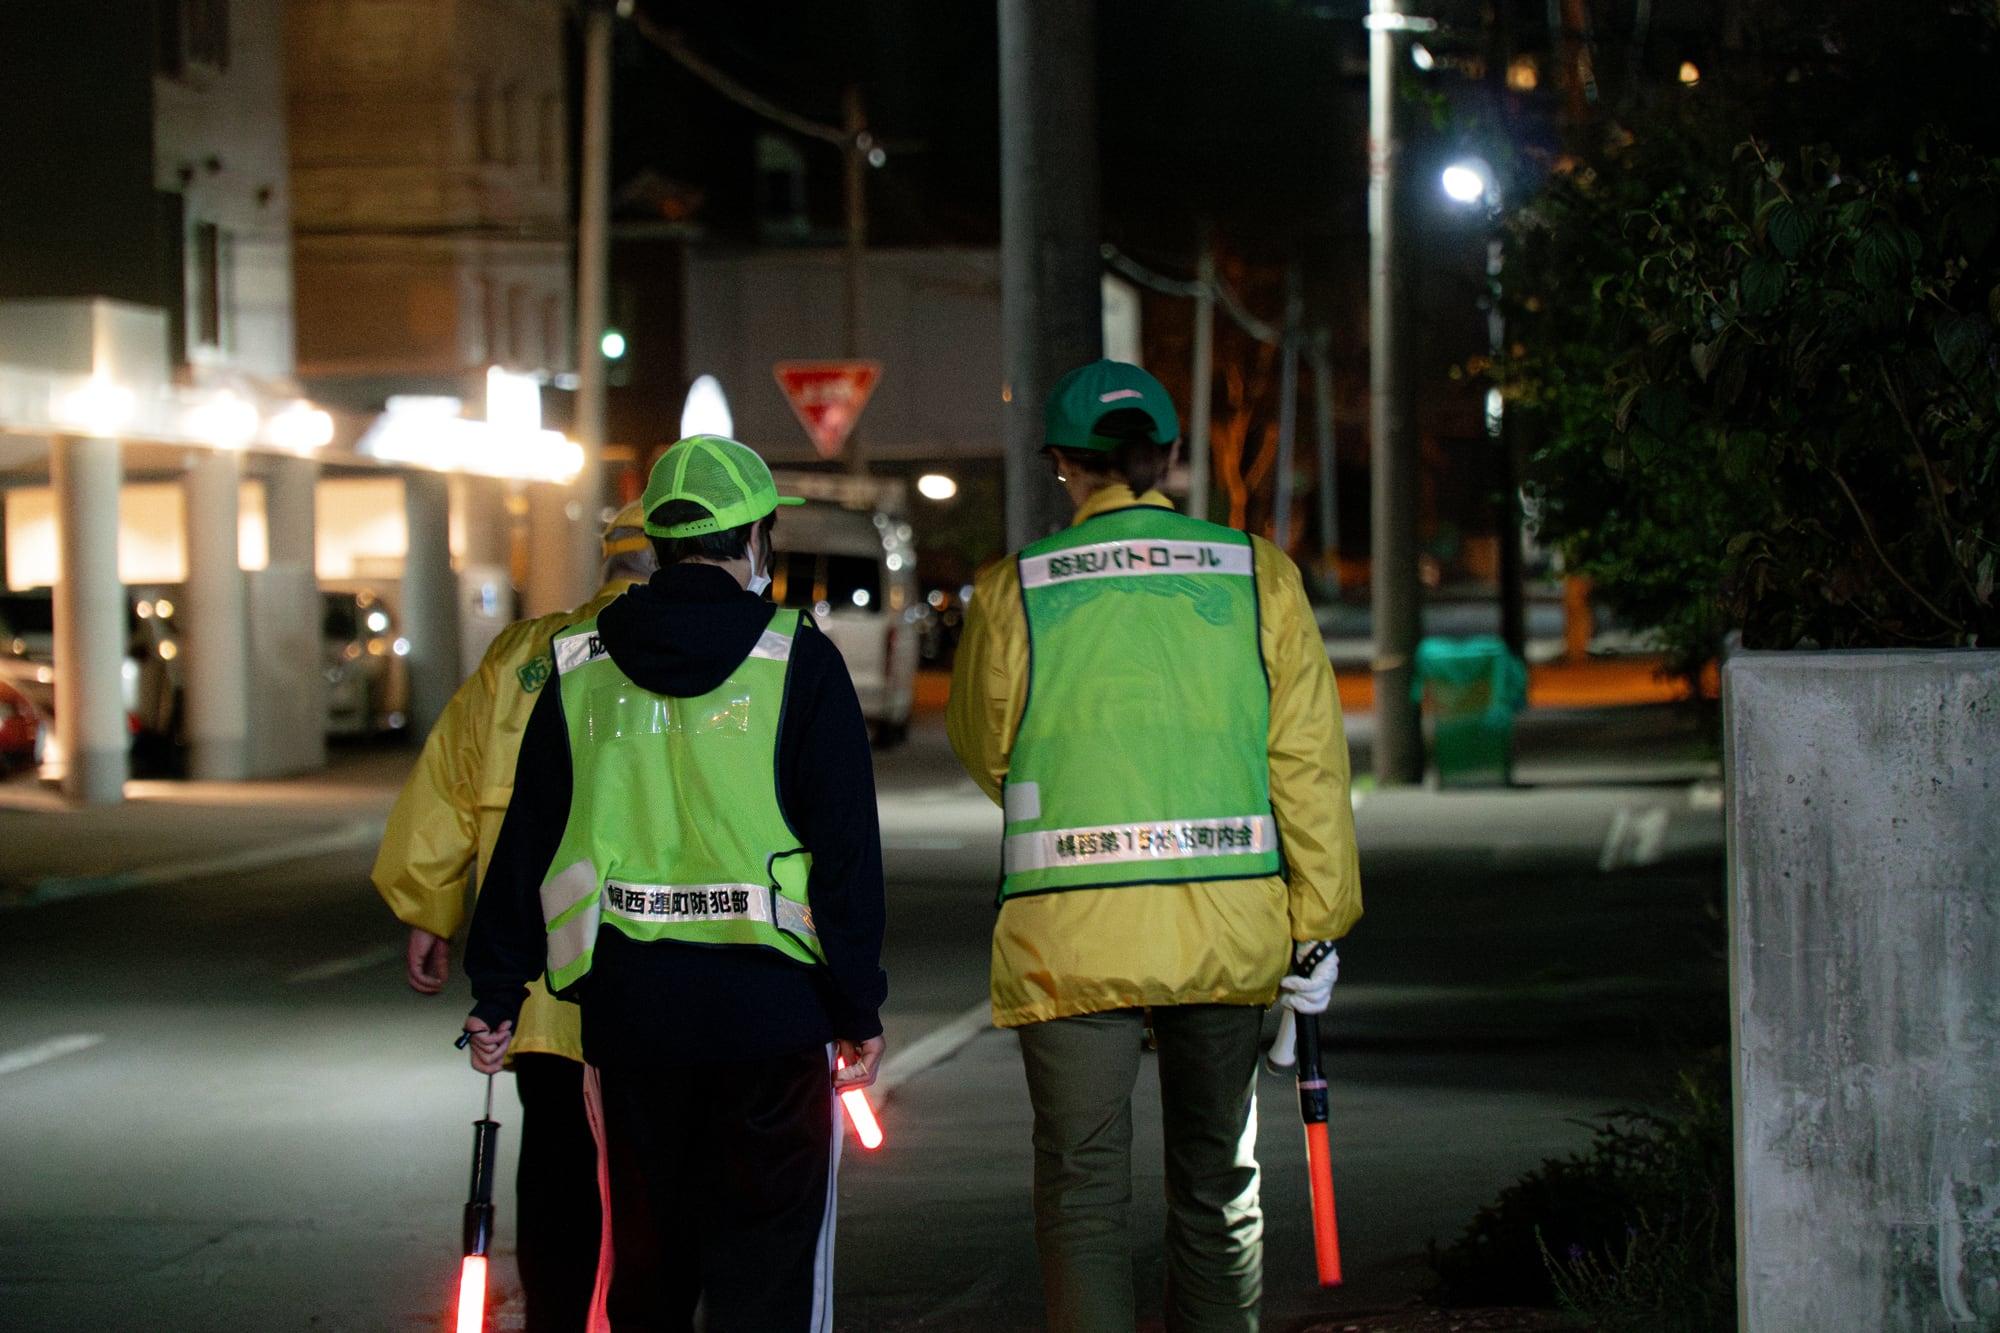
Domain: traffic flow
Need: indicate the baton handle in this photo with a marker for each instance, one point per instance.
(479, 1206)
(1319, 1153)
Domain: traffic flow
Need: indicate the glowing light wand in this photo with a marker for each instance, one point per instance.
(860, 1114)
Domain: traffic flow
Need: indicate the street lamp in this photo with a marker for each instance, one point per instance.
(936, 486)
(1469, 181)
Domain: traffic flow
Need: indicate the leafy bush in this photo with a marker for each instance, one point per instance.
(1768, 384)
(1636, 1232)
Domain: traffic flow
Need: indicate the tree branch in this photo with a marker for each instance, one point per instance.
(1868, 530)
(1945, 533)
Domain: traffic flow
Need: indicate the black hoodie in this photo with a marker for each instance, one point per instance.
(681, 635)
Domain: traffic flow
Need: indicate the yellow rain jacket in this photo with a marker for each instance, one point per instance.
(448, 816)
(1088, 950)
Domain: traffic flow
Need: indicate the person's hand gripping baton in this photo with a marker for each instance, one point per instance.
(854, 1068)
(1306, 994)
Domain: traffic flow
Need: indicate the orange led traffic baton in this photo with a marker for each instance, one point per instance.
(478, 1221)
(1319, 1153)
(860, 1114)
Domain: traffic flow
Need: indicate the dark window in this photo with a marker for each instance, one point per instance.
(192, 32)
(795, 578)
(853, 582)
(547, 140)
(805, 578)
(552, 348)
(208, 247)
(517, 327)
(343, 618)
(29, 613)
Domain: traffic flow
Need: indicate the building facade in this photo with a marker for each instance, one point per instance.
(430, 167)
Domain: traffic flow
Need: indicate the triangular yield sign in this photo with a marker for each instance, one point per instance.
(827, 397)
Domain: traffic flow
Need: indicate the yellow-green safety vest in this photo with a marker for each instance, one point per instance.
(1142, 754)
(675, 831)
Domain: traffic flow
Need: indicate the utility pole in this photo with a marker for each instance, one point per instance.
(1201, 396)
(1394, 592)
(593, 261)
(1288, 410)
(1051, 312)
(854, 159)
(1329, 471)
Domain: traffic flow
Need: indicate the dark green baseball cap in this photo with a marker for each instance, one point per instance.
(723, 477)
(1090, 393)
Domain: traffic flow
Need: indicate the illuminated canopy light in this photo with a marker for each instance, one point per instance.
(97, 407)
(513, 402)
(1690, 73)
(225, 420)
(936, 486)
(425, 431)
(1464, 183)
(300, 428)
(706, 411)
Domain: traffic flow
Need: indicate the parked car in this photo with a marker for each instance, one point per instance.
(856, 572)
(148, 683)
(27, 646)
(23, 735)
(366, 684)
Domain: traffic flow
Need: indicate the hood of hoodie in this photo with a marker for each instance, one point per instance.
(684, 631)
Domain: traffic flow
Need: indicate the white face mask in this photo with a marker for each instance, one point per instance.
(759, 579)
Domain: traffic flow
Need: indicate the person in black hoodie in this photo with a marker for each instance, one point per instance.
(692, 854)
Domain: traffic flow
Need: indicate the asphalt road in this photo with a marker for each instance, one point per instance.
(220, 1108)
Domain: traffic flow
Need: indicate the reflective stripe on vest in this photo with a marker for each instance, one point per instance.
(759, 903)
(1183, 840)
(1141, 757)
(675, 831)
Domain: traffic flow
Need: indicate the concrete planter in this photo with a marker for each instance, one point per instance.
(1864, 865)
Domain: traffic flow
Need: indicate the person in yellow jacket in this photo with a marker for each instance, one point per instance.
(1149, 699)
(442, 829)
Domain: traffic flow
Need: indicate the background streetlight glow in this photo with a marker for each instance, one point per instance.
(1464, 182)
(936, 486)
(706, 411)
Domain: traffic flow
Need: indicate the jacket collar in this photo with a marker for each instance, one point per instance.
(1118, 496)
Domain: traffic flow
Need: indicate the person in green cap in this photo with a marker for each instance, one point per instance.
(1148, 699)
(692, 854)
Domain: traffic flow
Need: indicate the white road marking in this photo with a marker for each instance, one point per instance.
(933, 1049)
(340, 967)
(1635, 838)
(347, 838)
(13, 1062)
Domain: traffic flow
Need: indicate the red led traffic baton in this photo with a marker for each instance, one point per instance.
(478, 1221)
(860, 1114)
(1319, 1153)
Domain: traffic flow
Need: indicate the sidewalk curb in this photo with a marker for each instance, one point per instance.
(351, 836)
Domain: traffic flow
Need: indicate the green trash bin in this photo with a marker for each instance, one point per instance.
(1471, 689)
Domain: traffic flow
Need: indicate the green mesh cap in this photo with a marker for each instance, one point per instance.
(1090, 393)
(723, 477)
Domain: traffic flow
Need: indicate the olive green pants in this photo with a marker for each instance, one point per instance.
(1081, 1072)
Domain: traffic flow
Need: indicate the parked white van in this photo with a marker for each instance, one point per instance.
(855, 570)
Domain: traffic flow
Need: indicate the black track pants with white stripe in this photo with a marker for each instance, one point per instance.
(722, 1179)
